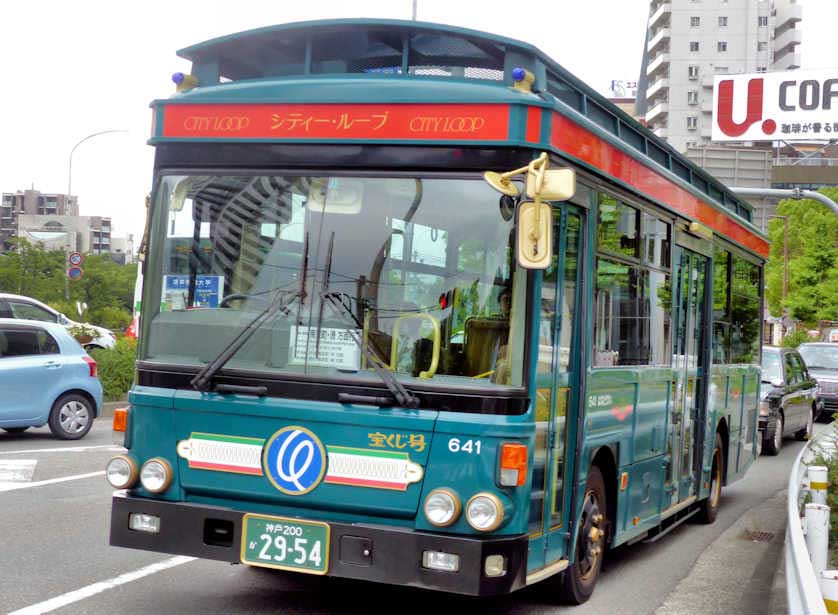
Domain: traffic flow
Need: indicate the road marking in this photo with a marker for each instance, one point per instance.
(51, 481)
(101, 586)
(69, 449)
(17, 470)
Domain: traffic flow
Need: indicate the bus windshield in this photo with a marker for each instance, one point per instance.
(421, 270)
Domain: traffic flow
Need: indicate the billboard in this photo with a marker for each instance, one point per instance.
(790, 105)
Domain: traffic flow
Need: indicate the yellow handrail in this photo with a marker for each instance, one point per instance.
(429, 373)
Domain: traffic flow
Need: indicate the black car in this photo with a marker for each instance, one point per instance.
(788, 402)
(822, 362)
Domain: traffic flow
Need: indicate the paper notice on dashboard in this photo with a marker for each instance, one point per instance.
(336, 348)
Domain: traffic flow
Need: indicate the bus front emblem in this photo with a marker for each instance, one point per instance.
(294, 460)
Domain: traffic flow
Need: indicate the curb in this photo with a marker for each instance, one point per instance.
(109, 406)
(777, 602)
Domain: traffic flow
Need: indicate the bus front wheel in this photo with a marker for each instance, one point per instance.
(579, 579)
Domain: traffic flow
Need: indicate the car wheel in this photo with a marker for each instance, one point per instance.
(806, 432)
(579, 579)
(15, 429)
(710, 507)
(71, 417)
(772, 440)
(91, 347)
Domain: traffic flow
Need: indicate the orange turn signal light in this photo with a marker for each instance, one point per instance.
(513, 464)
(120, 419)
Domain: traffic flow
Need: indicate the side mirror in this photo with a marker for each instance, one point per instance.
(63, 320)
(535, 235)
(556, 185)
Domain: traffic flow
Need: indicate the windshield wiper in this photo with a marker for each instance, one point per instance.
(401, 395)
(280, 303)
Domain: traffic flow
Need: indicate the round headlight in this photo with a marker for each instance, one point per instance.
(442, 507)
(121, 472)
(156, 475)
(484, 512)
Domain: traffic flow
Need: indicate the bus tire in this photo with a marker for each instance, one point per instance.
(709, 507)
(579, 579)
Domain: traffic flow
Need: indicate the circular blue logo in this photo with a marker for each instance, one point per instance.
(294, 460)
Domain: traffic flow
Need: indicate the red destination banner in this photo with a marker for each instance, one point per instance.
(444, 122)
(569, 137)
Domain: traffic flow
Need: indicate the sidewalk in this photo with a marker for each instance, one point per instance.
(109, 406)
(750, 559)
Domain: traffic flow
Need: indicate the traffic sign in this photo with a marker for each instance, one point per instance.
(75, 259)
(75, 273)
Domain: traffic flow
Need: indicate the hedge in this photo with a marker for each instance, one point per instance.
(116, 368)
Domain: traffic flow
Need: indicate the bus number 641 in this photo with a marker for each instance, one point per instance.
(455, 445)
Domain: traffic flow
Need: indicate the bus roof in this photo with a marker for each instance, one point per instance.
(431, 58)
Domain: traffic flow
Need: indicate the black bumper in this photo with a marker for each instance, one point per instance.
(395, 554)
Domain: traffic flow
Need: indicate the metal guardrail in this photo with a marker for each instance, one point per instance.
(803, 592)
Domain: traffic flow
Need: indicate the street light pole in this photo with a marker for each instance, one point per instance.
(72, 151)
(69, 196)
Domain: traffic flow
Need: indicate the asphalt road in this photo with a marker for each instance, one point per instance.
(54, 516)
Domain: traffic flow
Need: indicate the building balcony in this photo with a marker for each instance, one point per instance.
(658, 64)
(787, 61)
(657, 88)
(706, 130)
(788, 40)
(707, 81)
(658, 111)
(707, 106)
(788, 14)
(661, 14)
(659, 40)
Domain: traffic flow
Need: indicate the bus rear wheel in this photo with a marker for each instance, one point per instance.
(579, 580)
(710, 507)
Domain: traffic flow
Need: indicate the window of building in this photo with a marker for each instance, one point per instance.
(695, 22)
(690, 144)
(633, 293)
(761, 69)
(720, 70)
(693, 45)
(692, 122)
(692, 97)
(762, 21)
(762, 46)
(721, 46)
(692, 72)
(722, 21)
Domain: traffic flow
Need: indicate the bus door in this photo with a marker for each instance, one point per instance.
(557, 390)
(689, 299)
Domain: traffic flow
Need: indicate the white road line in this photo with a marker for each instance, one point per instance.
(69, 449)
(101, 586)
(51, 481)
(17, 470)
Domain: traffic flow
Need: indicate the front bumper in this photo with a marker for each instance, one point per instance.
(395, 554)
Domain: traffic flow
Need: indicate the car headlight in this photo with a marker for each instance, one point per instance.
(156, 475)
(763, 408)
(442, 507)
(484, 512)
(121, 472)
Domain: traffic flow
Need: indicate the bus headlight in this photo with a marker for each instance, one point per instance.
(484, 512)
(156, 475)
(121, 472)
(442, 507)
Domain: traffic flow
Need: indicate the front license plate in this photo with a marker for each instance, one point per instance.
(289, 544)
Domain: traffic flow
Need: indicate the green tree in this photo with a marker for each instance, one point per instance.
(813, 260)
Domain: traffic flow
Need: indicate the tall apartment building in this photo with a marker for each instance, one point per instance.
(34, 203)
(689, 42)
(53, 221)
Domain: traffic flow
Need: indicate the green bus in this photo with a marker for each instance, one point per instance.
(422, 308)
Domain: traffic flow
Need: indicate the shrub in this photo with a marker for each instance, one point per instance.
(793, 340)
(116, 368)
(112, 318)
